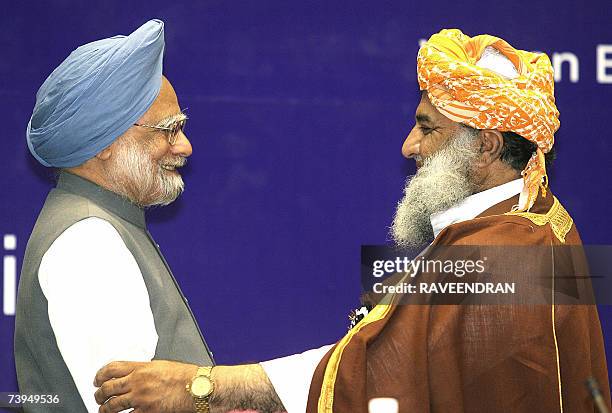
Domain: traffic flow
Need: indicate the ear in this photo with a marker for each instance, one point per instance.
(491, 145)
(105, 154)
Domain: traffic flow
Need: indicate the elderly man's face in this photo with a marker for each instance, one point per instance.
(431, 132)
(143, 165)
(445, 153)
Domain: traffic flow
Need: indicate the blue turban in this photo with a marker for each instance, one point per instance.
(95, 95)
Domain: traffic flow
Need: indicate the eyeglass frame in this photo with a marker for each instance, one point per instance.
(177, 126)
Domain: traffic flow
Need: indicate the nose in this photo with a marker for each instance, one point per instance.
(412, 144)
(182, 146)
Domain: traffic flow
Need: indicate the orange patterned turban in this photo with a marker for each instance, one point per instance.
(484, 99)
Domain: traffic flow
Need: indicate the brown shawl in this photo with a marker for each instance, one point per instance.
(474, 358)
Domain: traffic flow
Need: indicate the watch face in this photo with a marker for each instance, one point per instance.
(201, 386)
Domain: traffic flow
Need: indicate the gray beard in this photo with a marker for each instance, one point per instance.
(442, 181)
(137, 177)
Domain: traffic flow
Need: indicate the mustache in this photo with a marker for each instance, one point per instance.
(176, 162)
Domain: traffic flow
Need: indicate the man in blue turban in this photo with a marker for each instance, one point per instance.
(109, 121)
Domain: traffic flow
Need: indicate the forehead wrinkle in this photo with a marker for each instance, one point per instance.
(428, 110)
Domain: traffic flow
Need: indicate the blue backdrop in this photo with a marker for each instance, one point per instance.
(298, 111)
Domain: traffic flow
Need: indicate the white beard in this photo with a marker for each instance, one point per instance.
(137, 177)
(442, 181)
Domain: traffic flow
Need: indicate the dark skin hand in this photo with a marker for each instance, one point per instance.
(160, 386)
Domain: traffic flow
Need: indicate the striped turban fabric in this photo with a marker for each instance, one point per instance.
(465, 91)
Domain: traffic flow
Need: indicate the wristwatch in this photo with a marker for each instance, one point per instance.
(200, 388)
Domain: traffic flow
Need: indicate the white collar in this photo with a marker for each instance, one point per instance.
(475, 204)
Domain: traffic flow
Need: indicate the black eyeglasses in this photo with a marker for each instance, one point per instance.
(171, 131)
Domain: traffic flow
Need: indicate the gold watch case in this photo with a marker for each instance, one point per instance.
(201, 386)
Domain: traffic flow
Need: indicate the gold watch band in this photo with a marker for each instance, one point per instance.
(201, 404)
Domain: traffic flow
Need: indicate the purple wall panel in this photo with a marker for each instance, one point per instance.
(298, 112)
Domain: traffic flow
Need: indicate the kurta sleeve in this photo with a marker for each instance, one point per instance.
(291, 377)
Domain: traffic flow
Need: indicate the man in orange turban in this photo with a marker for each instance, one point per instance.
(461, 80)
(484, 130)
